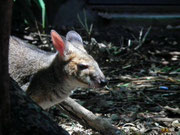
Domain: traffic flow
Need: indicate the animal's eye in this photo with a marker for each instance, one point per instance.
(82, 66)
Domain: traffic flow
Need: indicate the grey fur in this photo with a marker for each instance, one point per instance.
(26, 60)
(42, 69)
(44, 75)
(73, 36)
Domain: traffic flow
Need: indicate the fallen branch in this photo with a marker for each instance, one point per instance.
(87, 118)
(165, 119)
(174, 110)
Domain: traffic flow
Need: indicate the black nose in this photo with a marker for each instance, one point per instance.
(103, 82)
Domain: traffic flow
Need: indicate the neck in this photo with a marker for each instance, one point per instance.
(56, 85)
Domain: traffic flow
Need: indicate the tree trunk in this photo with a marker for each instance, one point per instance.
(5, 22)
(27, 118)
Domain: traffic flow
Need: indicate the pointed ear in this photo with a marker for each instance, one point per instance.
(73, 36)
(58, 42)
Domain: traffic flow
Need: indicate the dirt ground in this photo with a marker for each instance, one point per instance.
(142, 65)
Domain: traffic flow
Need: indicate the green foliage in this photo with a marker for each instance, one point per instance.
(42, 6)
(26, 11)
(125, 85)
(142, 38)
(84, 23)
(166, 69)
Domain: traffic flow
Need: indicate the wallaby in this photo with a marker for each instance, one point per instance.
(53, 76)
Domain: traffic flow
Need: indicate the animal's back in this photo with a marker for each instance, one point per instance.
(25, 60)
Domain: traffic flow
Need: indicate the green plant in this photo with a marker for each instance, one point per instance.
(142, 37)
(42, 6)
(24, 11)
(84, 23)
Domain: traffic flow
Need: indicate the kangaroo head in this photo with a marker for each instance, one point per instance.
(78, 63)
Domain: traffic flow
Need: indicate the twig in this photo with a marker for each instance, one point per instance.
(174, 110)
(148, 98)
(38, 31)
(87, 118)
(165, 119)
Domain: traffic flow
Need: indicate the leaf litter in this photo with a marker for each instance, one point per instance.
(142, 96)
